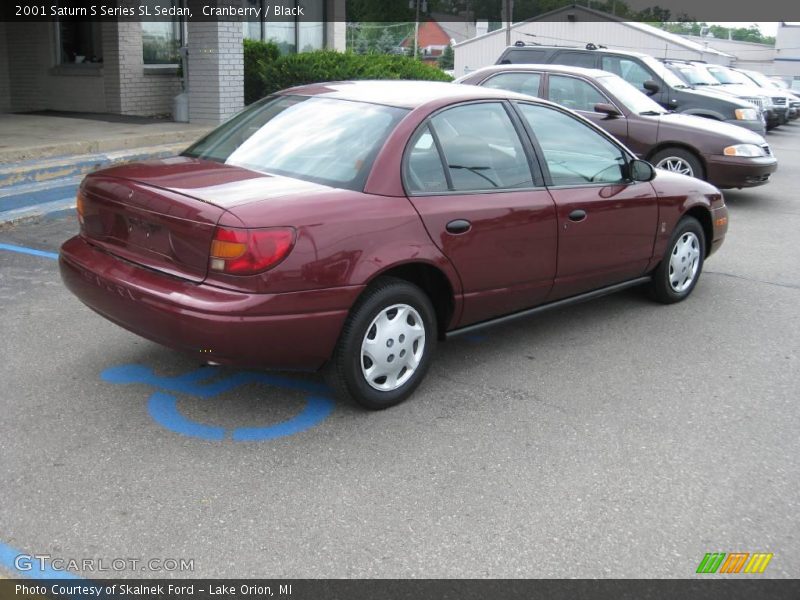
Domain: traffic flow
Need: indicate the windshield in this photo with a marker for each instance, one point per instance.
(633, 99)
(693, 75)
(761, 80)
(326, 141)
(668, 76)
(724, 75)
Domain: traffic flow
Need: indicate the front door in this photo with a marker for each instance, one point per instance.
(606, 223)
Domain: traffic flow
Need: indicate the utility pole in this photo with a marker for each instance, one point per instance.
(417, 4)
(509, 9)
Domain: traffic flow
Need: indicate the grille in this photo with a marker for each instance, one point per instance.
(766, 149)
(759, 102)
(779, 100)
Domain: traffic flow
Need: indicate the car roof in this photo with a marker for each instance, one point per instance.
(540, 67)
(580, 48)
(400, 93)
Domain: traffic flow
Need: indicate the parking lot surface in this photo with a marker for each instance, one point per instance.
(617, 438)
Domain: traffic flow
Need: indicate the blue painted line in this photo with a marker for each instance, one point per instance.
(31, 251)
(10, 560)
(475, 338)
(206, 383)
(26, 199)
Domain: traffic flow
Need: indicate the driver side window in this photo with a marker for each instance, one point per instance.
(575, 154)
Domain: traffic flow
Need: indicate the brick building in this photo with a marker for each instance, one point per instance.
(131, 67)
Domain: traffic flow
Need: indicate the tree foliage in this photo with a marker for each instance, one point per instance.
(280, 72)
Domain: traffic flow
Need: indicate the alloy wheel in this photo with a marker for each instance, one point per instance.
(676, 164)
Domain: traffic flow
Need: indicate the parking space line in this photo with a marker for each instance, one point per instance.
(30, 251)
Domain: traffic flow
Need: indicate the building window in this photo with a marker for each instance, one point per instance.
(299, 34)
(161, 40)
(79, 42)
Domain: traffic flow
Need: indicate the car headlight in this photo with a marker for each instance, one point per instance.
(746, 150)
(746, 114)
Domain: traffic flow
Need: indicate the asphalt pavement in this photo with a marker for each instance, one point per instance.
(617, 438)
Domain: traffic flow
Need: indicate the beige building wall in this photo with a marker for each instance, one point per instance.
(787, 51)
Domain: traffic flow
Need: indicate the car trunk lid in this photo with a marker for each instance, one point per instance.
(151, 227)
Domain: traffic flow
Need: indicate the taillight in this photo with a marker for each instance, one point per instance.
(249, 251)
(80, 206)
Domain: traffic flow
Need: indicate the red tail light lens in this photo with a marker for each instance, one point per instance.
(249, 251)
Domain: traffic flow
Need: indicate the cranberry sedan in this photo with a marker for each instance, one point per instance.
(351, 226)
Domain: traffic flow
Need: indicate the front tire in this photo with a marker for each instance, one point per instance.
(386, 345)
(677, 274)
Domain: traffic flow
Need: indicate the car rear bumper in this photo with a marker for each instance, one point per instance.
(738, 172)
(291, 330)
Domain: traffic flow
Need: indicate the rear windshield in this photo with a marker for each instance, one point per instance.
(327, 141)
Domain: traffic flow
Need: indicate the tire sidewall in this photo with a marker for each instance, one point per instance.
(397, 292)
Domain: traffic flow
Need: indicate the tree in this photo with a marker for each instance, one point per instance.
(446, 60)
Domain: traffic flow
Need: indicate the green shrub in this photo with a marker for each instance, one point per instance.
(257, 55)
(327, 65)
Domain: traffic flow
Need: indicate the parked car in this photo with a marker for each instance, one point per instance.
(725, 155)
(648, 75)
(352, 225)
(781, 95)
(740, 83)
(695, 75)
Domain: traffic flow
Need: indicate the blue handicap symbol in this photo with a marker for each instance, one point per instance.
(163, 407)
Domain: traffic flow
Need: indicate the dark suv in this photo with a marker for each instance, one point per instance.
(648, 75)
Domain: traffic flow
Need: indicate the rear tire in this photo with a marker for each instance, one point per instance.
(386, 345)
(677, 274)
(679, 160)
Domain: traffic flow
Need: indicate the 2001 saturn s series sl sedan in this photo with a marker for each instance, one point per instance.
(352, 225)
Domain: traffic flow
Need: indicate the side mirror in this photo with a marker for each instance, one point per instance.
(607, 109)
(651, 87)
(641, 170)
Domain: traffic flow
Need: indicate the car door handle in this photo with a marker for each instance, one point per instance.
(458, 226)
(577, 215)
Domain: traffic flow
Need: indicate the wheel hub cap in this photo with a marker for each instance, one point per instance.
(392, 347)
(677, 165)
(684, 262)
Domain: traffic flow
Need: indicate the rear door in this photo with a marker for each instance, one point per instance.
(471, 177)
(606, 223)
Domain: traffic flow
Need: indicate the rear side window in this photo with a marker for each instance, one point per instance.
(630, 70)
(424, 170)
(575, 153)
(523, 83)
(576, 59)
(522, 56)
(574, 93)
